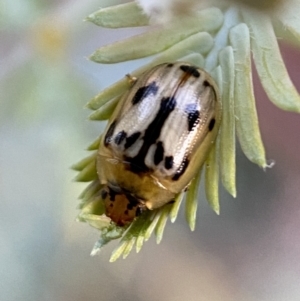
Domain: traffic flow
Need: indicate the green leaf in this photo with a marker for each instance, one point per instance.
(94, 205)
(200, 43)
(91, 189)
(123, 15)
(217, 75)
(141, 236)
(160, 227)
(153, 224)
(105, 111)
(231, 18)
(89, 173)
(247, 125)
(129, 247)
(84, 162)
(94, 145)
(286, 22)
(175, 207)
(191, 201)
(212, 178)
(227, 128)
(269, 63)
(158, 39)
(118, 251)
(99, 222)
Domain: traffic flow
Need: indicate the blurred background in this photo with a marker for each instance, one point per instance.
(250, 252)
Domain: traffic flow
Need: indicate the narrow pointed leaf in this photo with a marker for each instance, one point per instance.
(118, 251)
(95, 205)
(123, 15)
(227, 128)
(94, 145)
(99, 222)
(158, 39)
(191, 202)
(90, 190)
(247, 125)
(200, 42)
(175, 207)
(117, 89)
(106, 110)
(89, 173)
(129, 246)
(147, 218)
(212, 179)
(84, 162)
(160, 227)
(152, 225)
(231, 18)
(141, 236)
(269, 63)
(218, 77)
(287, 22)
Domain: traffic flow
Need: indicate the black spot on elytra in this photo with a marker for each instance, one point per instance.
(129, 206)
(132, 199)
(120, 137)
(143, 92)
(126, 212)
(152, 133)
(169, 161)
(170, 65)
(190, 70)
(112, 194)
(130, 140)
(211, 124)
(180, 171)
(133, 202)
(206, 83)
(109, 133)
(193, 115)
(159, 153)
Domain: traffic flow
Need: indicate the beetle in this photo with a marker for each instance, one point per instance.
(157, 139)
